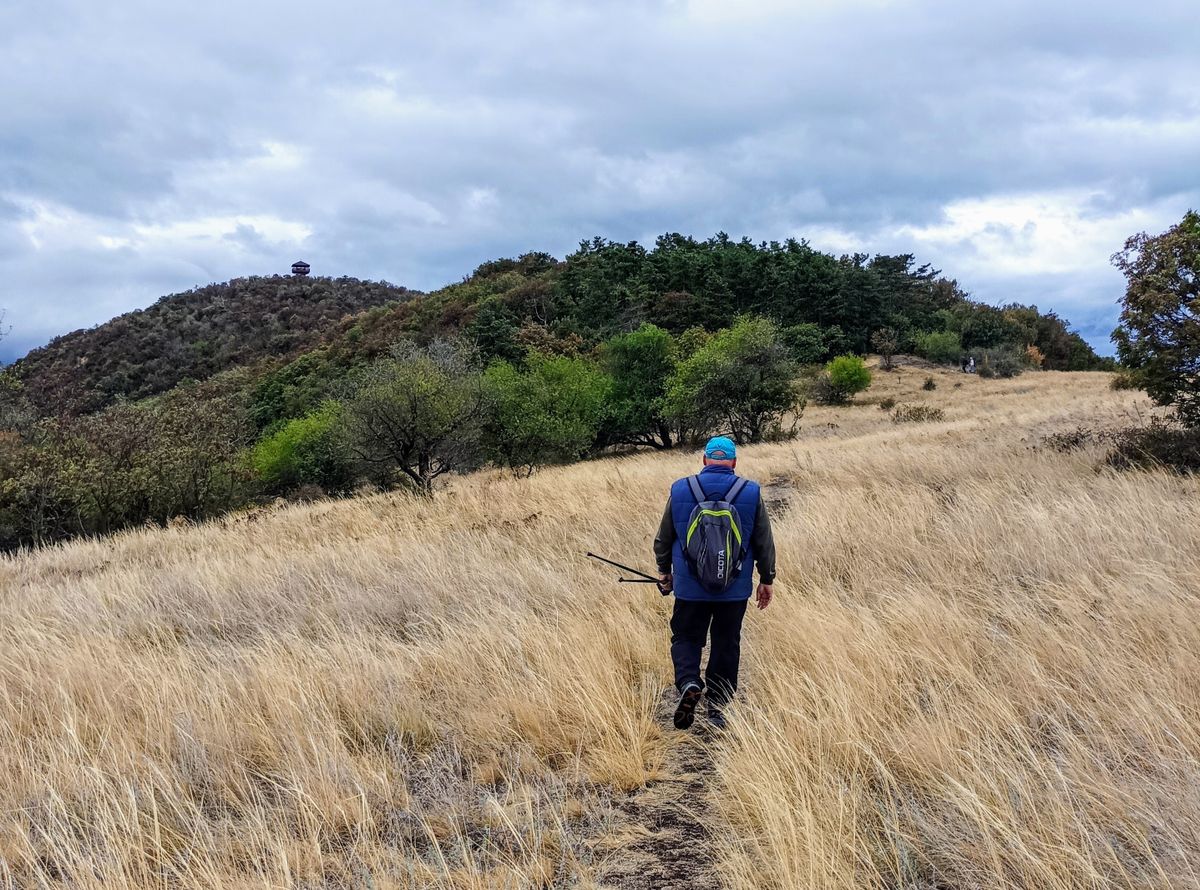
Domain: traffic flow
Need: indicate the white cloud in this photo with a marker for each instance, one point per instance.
(211, 228)
(148, 147)
(1036, 234)
(53, 227)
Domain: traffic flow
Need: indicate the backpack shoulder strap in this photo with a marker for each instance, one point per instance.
(697, 491)
(735, 489)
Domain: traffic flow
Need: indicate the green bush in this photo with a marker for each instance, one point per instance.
(177, 454)
(292, 391)
(640, 364)
(943, 347)
(548, 411)
(310, 450)
(844, 377)
(742, 381)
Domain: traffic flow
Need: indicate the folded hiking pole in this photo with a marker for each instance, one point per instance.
(642, 578)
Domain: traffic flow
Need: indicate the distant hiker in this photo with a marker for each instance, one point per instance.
(971, 365)
(706, 554)
(964, 365)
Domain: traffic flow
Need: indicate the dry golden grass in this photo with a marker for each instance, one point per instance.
(982, 670)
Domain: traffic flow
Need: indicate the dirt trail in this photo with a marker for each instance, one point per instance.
(660, 839)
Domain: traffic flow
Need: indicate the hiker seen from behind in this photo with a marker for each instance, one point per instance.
(714, 532)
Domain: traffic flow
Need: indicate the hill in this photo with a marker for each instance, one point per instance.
(506, 306)
(979, 671)
(232, 394)
(827, 305)
(193, 335)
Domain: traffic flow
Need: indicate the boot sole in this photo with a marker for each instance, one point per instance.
(685, 714)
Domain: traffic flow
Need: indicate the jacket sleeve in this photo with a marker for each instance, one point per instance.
(664, 541)
(762, 541)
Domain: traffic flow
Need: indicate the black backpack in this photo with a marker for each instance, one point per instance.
(714, 547)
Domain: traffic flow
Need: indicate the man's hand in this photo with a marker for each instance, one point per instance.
(763, 597)
(666, 583)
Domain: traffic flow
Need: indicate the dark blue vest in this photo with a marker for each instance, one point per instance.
(715, 481)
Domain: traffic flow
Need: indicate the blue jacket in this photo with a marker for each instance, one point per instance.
(756, 531)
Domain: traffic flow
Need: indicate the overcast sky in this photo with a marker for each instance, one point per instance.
(146, 147)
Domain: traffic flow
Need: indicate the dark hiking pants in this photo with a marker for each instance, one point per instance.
(691, 625)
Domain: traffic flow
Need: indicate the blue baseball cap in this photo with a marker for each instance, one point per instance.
(720, 448)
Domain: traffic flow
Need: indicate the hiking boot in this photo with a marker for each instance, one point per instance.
(685, 711)
(716, 718)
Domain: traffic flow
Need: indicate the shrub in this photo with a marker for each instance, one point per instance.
(292, 391)
(1007, 364)
(305, 494)
(929, 385)
(308, 451)
(1004, 363)
(943, 347)
(887, 404)
(917, 414)
(847, 375)
(692, 341)
(1078, 438)
(740, 381)
(821, 391)
(886, 341)
(1161, 444)
(1125, 380)
(178, 454)
(549, 411)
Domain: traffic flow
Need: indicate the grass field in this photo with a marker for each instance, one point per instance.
(982, 669)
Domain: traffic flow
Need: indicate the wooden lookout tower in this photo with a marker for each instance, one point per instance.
(300, 267)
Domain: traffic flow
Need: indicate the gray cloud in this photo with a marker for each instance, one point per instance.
(146, 148)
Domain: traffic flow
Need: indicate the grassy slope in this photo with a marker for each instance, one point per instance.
(981, 671)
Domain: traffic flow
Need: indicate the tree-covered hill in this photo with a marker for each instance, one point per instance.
(193, 335)
(606, 288)
(826, 306)
(222, 396)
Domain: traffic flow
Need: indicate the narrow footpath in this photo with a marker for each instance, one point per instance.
(667, 822)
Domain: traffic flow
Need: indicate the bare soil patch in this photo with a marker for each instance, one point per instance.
(661, 833)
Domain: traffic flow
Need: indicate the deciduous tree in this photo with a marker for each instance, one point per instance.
(415, 415)
(742, 381)
(1159, 333)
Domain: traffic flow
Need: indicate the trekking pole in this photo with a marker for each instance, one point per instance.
(642, 578)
